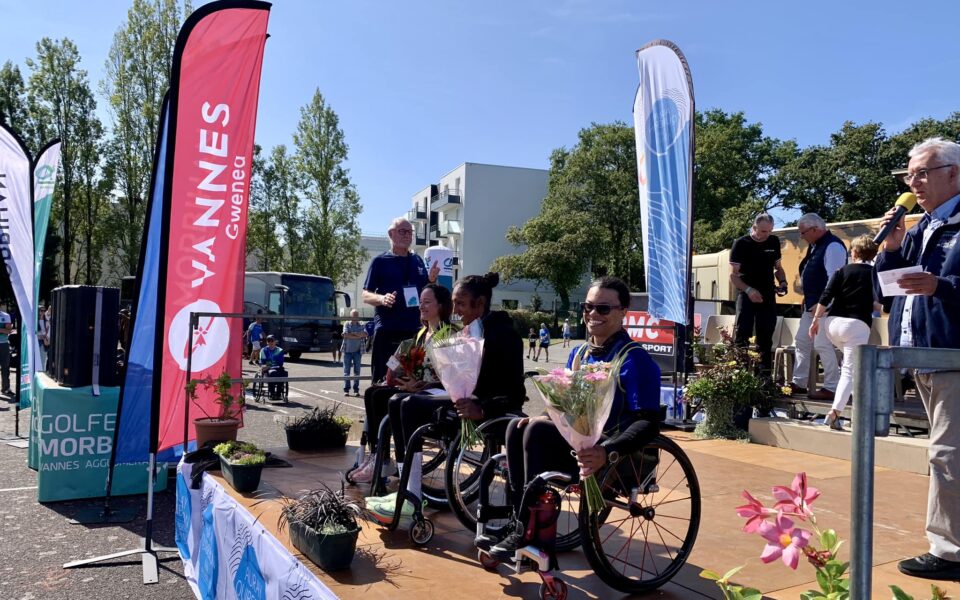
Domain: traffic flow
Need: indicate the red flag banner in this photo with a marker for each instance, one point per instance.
(215, 84)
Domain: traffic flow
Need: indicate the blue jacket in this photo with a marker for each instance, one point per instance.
(639, 384)
(934, 319)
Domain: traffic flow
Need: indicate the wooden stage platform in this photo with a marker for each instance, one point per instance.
(388, 566)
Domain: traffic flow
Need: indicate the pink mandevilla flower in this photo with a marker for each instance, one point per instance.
(755, 513)
(784, 541)
(796, 499)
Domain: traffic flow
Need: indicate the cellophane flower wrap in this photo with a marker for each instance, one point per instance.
(578, 402)
(456, 359)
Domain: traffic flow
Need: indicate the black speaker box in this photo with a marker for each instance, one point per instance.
(81, 340)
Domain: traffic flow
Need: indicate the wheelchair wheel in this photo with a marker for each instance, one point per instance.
(462, 480)
(431, 473)
(462, 473)
(646, 533)
(257, 388)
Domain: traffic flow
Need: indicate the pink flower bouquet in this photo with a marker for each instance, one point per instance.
(456, 360)
(578, 402)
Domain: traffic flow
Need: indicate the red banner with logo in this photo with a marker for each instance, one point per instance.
(215, 84)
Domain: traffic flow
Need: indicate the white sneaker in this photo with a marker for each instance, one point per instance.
(364, 473)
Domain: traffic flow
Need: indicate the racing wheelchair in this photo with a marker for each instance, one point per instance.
(260, 387)
(637, 542)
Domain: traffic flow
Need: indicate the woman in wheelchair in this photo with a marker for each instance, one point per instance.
(534, 445)
(271, 365)
(436, 307)
(499, 388)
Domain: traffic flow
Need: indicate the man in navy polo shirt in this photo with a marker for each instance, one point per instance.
(393, 286)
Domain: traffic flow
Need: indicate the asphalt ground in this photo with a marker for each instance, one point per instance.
(36, 539)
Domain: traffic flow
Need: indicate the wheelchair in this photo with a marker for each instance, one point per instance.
(636, 543)
(260, 386)
(463, 483)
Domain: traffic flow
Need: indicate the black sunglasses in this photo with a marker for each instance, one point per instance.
(602, 309)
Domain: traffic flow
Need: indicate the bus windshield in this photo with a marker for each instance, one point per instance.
(309, 296)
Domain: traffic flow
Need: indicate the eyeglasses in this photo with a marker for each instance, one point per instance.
(404, 231)
(921, 174)
(602, 309)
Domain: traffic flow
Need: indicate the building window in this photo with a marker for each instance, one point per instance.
(456, 185)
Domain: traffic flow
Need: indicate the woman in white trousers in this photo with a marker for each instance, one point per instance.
(848, 302)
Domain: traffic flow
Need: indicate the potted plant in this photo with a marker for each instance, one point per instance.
(727, 390)
(323, 526)
(241, 464)
(318, 429)
(223, 426)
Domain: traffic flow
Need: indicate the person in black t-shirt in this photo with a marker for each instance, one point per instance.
(850, 298)
(753, 260)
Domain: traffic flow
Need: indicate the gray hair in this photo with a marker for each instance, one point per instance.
(354, 313)
(394, 223)
(763, 218)
(812, 220)
(945, 150)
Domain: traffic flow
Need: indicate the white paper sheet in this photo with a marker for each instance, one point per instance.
(888, 280)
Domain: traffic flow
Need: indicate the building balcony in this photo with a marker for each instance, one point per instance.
(435, 232)
(420, 240)
(445, 199)
(448, 228)
(415, 214)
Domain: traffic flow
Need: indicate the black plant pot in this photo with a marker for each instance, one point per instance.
(741, 418)
(312, 440)
(243, 478)
(331, 552)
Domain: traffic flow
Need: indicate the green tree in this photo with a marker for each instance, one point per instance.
(263, 240)
(137, 76)
(590, 219)
(332, 230)
(59, 88)
(734, 164)
(13, 98)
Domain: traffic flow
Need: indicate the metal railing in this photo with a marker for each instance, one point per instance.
(873, 386)
(194, 323)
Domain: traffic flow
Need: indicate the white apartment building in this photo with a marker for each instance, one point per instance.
(469, 210)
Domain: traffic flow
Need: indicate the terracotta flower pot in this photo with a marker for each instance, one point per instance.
(216, 430)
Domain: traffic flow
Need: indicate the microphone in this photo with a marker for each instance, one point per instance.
(904, 204)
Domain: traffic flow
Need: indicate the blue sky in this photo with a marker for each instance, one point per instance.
(422, 86)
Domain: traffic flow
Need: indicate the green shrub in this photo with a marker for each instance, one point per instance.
(240, 453)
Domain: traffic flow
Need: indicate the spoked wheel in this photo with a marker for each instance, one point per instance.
(431, 483)
(462, 475)
(568, 522)
(421, 532)
(651, 521)
(559, 591)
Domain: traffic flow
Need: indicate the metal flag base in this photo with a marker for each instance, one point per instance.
(148, 552)
(104, 515)
(148, 558)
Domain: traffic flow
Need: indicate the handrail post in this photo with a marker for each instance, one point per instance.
(865, 420)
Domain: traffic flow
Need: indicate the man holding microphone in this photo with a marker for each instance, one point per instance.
(926, 318)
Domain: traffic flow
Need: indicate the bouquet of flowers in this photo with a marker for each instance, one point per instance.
(409, 361)
(456, 359)
(578, 402)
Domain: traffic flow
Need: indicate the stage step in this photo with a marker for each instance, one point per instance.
(894, 452)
